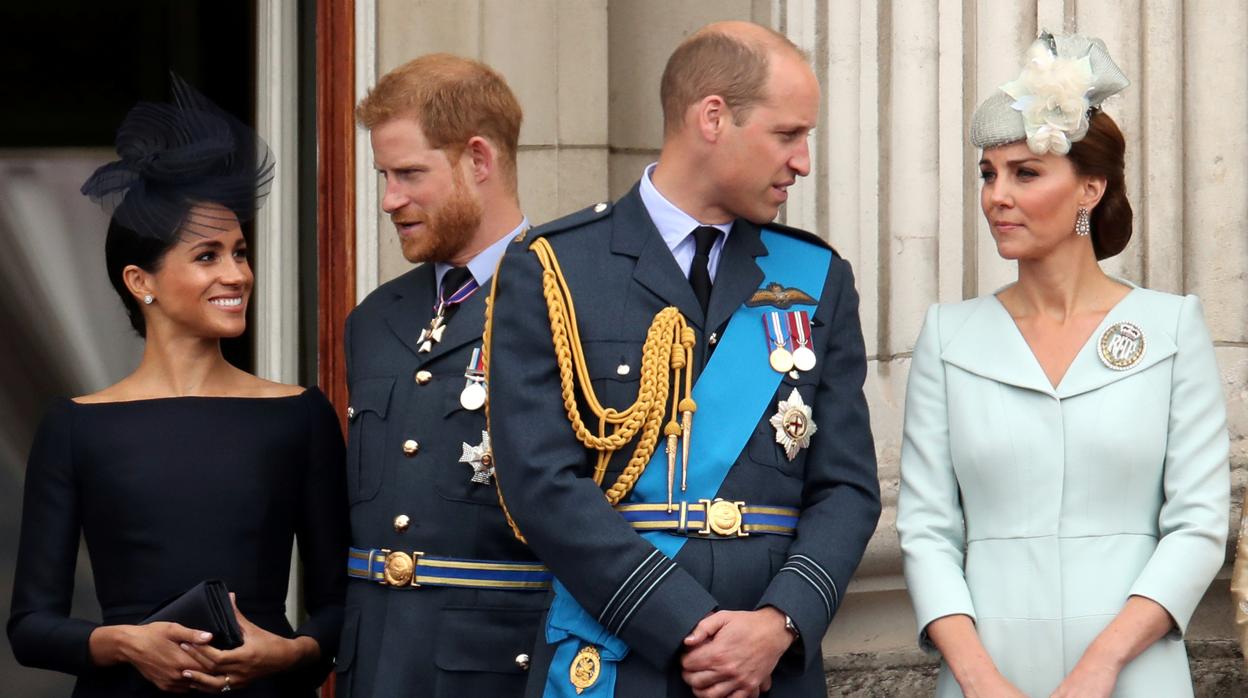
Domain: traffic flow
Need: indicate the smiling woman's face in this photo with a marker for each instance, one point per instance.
(204, 281)
(1030, 200)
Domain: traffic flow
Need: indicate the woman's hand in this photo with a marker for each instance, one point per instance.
(159, 651)
(262, 653)
(1091, 678)
(972, 667)
(991, 685)
(1140, 623)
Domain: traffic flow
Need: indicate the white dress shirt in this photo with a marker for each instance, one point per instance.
(676, 226)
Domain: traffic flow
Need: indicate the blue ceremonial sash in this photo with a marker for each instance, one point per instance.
(732, 393)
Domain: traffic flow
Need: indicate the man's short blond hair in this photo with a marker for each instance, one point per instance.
(453, 99)
(714, 62)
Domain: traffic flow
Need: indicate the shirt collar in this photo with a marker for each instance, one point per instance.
(482, 266)
(674, 225)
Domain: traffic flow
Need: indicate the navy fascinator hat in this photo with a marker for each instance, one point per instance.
(177, 156)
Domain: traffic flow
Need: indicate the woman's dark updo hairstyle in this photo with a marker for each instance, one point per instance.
(124, 247)
(1102, 153)
(174, 157)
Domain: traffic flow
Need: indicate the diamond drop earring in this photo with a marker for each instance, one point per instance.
(1083, 223)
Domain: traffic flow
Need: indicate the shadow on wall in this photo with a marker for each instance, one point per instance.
(62, 333)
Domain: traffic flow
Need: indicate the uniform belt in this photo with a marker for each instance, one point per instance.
(711, 518)
(412, 569)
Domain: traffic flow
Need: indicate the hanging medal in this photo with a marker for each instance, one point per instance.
(778, 342)
(472, 397)
(432, 334)
(803, 351)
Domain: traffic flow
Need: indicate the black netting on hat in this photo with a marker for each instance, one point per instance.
(176, 161)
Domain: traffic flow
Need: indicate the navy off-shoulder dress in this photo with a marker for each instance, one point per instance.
(169, 492)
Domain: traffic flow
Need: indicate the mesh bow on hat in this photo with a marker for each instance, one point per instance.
(175, 156)
(1048, 105)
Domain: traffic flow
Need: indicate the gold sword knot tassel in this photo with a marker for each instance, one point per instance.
(687, 408)
(672, 432)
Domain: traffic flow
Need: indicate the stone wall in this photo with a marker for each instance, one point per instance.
(895, 189)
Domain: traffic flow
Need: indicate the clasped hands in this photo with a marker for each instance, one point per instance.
(179, 659)
(732, 654)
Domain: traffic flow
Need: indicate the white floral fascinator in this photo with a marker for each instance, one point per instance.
(1064, 78)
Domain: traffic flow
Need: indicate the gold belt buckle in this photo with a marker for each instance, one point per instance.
(400, 570)
(723, 518)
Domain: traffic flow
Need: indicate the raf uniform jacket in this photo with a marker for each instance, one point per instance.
(621, 274)
(1038, 510)
(427, 641)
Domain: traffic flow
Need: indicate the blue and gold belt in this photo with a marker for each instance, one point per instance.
(410, 570)
(707, 518)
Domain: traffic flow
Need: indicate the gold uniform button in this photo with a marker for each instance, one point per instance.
(423, 377)
(350, 413)
(410, 447)
(600, 207)
(401, 523)
(522, 661)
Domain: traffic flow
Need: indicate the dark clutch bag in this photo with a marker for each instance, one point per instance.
(205, 606)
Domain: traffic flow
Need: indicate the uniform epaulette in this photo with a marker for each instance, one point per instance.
(800, 234)
(571, 221)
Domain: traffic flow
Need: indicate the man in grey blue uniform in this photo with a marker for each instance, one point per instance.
(729, 589)
(443, 600)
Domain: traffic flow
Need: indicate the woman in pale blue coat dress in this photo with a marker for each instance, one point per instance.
(1064, 480)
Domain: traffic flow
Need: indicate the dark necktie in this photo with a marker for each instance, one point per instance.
(457, 286)
(700, 269)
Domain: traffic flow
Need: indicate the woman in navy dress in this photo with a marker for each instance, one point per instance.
(189, 468)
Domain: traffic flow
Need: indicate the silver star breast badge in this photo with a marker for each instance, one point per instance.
(794, 424)
(481, 460)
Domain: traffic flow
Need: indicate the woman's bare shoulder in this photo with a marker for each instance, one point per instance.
(255, 386)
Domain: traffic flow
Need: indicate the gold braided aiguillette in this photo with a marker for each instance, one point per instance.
(667, 356)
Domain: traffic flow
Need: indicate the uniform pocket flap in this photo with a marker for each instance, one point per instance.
(615, 361)
(486, 639)
(371, 395)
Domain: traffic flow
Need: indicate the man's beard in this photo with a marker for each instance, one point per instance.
(447, 229)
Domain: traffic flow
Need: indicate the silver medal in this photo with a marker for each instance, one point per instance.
(473, 395)
(803, 358)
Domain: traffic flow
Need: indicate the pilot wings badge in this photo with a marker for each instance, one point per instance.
(778, 296)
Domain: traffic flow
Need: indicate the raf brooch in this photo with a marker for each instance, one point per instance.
(794, 424)
(481, 460)
(1122, 346)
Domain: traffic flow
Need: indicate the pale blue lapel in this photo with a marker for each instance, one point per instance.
(989, 344)
(1088, 372)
